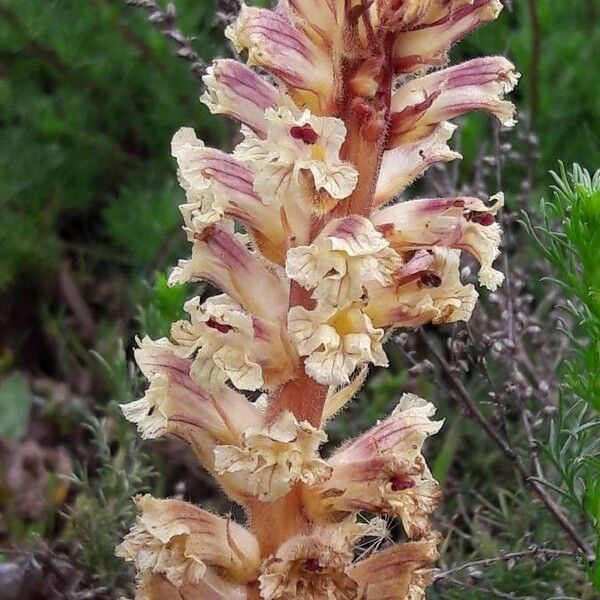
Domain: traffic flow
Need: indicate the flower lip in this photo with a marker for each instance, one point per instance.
(305, 133)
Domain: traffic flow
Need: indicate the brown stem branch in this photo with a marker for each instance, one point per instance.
(540, 553)
(508, 451)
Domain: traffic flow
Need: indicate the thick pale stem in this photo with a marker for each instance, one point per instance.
(275, 522)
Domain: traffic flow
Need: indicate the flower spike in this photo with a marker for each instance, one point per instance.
(316, 261)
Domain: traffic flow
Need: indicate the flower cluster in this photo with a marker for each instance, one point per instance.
(303, 230)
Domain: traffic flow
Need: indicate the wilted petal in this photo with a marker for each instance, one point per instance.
(313, 566)
(335, 342)
(270, 459)
(235, 90)
(428, 291)
(464, 223)
(479, 84)
(275, 44)
(402, 571)
(428, 46)
(383, 471)
(211, 587)
(347, 254)
(181, 541)
(219, 258)
(401, 165)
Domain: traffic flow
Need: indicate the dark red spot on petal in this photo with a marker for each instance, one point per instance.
(401, 482)
(431, 279)
(218, 326)
(305, 133)
(485, 219)
(312, 565)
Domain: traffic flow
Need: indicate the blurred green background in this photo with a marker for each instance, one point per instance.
(90, 96)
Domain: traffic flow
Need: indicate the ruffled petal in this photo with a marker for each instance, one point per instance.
(479, 84)
(427, 291)
(428, 45)
(463, 223)
(335, 342)
(347, 254)
(270, 459)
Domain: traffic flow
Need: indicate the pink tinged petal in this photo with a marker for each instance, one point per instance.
(463, 223)
(401, 571)
(278, 46)
(210, 587)
(235, 90)
(428, 45)
(437, 296)
(409, 424)
(184, 408)
(220, 258)
(478, 84)
(218, 185)
(383, 471)
(406, 162)
(216, 541)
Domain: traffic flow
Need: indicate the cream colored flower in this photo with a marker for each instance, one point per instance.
(480, 84)
(427, 290)
(295, 144)
(313, 566)
(182, 542)
(276, 44)
(175, 403)
(427, 45)
(220, 257)
(221, 334)
(335, 342)
(233, 89)
(348, 253)
(270, 459)
(464, 223)
(383, 470)
(231, 345)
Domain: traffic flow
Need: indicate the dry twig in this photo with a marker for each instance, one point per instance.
(508, 451)
(165, 22)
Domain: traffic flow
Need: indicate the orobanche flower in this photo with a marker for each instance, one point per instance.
(182, 542)
(317, 260)
(345, 255)
(272, 458)
(335, 342)
(230, 344)
(464, 223)
(383, 471)
(295, 145)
